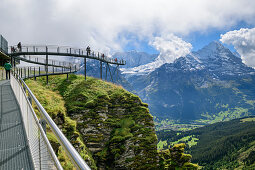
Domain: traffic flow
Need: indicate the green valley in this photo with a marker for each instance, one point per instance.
(222, 145)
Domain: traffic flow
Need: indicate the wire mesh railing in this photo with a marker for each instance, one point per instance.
(41, 150)
(63, 50)
(43, 156)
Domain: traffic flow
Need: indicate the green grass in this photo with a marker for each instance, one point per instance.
(54, 104)
(248, 119)
(229, 114)
(190, 140)
(103, 106)
(161, 144)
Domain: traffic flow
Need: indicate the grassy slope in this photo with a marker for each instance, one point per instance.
(92, 96)
(229, 144)
(54, 104)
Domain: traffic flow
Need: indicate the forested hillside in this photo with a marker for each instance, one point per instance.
(221, 145)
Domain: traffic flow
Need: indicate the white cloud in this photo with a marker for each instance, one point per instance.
(100, 22)
(170, 47)
(243, 41)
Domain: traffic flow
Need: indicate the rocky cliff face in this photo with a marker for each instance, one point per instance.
(114, 124)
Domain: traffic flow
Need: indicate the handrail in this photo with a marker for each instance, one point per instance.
(30, 119)
(42, 61)
(37, 71)
(70, 150)
(63, 51)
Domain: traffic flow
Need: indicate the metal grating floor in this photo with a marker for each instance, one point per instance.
(14, 151)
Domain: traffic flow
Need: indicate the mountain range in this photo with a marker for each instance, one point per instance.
(206, 86)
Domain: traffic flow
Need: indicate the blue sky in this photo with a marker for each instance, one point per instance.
(198, 39)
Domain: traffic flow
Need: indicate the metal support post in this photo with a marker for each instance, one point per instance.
(34, 74)
(25, 72)
(47, 77)
(105, 73)
(85, 68)
(28, 72)
(117, 74)
(101, 71)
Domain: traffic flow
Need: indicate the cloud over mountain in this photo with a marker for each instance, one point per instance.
(244, 42)
(170, 47)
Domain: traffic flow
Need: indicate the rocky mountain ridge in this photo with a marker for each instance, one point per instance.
(197, 84)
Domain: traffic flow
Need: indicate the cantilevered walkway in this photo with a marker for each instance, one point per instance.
(23, 141)
(59, 51)
(14, 149)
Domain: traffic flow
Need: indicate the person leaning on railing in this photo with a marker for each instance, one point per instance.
(8, 67)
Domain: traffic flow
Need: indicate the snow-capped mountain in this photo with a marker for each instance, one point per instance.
(197, 84)
(213, 57)
(134, 58)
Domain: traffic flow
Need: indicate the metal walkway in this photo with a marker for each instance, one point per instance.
(58, 51)
(23, 141)
(14, 150)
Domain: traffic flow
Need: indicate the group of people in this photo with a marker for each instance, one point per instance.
(89, 52)
(19, 48)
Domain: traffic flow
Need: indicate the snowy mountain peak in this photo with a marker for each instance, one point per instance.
(214, 45)
(213, 48)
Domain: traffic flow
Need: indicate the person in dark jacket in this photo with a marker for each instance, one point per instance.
(88, 50)
(8, 67)
(19, 46)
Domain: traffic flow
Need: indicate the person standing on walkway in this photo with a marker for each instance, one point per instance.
(8, 67)
(88, 50)
(19, 46)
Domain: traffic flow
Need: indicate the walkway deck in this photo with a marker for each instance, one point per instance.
(14, 151)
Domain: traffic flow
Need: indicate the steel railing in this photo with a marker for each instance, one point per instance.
(43, 61)
(62, 50)
(37, 71)
(42, 153)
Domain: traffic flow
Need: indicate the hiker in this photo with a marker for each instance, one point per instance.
(19, 46)
(12, 49)
(116, 60)
(8, 67)
(103, 56)
(88, 50)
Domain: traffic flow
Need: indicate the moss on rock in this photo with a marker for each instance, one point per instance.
(114, 124)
